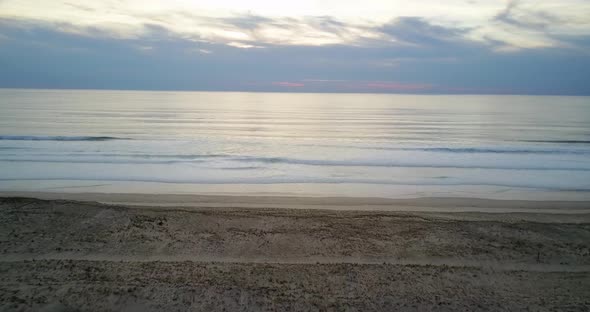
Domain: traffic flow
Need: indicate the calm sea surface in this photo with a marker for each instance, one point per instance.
(282, 143)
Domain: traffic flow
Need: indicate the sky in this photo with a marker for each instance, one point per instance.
(389, 46)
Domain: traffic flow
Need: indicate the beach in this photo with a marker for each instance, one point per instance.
(234, 201)
(287, 253)
(308, 155)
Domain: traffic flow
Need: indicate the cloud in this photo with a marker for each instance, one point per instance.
(536, 20)
(502, 25)
(253, 52)
(288, 84)
(526, 24)
(417, 30)
(247, 22)
(308, 30)
(242, 45)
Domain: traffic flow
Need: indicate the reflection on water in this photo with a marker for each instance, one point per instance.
(381, 141)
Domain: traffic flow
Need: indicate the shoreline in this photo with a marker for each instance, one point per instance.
(419, 204)
(299, 190)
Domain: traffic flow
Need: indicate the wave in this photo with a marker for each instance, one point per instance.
(498, 150)
(269, 181)
(57, 138)
(111, 157)
(260, 162)
(559, 141)
(463, 150)
(396, 164)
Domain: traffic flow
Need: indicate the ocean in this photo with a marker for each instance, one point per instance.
(362, 145)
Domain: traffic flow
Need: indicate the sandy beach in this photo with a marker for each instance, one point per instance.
(267, 254)
(311, 155)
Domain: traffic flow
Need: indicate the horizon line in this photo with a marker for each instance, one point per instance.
(298, 92)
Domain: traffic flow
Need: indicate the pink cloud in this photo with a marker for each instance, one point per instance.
(288, 84)
(370, 86)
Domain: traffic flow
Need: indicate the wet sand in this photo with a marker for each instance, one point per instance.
(262, 253)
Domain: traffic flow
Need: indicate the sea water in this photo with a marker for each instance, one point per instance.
(491, 146)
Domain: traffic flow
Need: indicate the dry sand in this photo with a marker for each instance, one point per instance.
(221, 253)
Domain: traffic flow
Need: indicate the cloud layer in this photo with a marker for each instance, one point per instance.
(333, 46)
